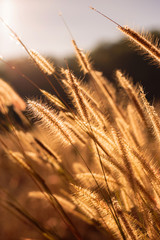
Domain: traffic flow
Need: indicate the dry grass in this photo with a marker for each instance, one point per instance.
(104, 155)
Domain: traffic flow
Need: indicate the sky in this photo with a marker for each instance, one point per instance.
(40, 27)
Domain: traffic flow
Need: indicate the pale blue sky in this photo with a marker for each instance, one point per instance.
(40, 27)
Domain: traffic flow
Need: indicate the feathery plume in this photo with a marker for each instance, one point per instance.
(53, 99)
(50, 120)
(151, 116)
(88, 181)
(140, 40)
(43, 64)
(133, 95)
(76, 94)
(82, 58)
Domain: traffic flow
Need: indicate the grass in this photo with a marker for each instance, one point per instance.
(103, 152)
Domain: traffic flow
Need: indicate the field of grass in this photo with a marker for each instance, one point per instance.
(87, 168)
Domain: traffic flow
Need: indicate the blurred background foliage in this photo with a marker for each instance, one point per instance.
(106, 57)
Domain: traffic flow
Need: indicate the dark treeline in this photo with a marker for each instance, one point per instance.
(107, 57)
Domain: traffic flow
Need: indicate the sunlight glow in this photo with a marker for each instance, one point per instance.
(7, 10)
